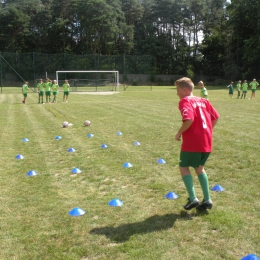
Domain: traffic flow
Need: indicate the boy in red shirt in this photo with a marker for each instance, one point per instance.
(198, 119)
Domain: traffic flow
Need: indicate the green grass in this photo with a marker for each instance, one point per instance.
(35, 223)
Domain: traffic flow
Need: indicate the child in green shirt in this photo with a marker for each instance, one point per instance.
(254, 84)
(25, 89)
(40, 91)
(55, 88)
(203, 92)
(66, 87)
(238, 88)
(244, 89)
(231, 89)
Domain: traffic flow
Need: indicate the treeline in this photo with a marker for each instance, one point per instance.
(171, 31)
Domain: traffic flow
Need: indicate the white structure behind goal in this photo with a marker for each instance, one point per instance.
(87, 80)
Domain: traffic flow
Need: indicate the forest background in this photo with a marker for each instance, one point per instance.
(184, 37)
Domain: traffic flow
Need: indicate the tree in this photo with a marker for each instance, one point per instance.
(244, 17)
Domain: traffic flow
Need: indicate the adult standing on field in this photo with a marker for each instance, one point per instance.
(66, 87)
(254, 84)
(198, 119)
(40, 88)
(244, 89)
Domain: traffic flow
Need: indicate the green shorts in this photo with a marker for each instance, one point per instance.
(244, 91)
(41, 93)
(66, 93)
(54, 93)
(193, 159)
(47, 93)
(253, 90)
(25, 94)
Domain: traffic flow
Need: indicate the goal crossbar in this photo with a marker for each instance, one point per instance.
(115, 72)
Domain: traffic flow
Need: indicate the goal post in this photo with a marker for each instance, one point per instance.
(90, 80)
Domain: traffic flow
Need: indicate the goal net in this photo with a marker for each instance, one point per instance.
(90, 80)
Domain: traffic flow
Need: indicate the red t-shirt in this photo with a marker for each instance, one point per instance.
(198, 137)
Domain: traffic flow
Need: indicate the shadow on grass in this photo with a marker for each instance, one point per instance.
(123, 232)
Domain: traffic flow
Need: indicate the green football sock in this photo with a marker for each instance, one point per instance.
(204, 183)
(188, 181)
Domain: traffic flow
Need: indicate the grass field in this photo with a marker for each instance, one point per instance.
(35, 223)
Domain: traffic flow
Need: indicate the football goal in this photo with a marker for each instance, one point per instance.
(90, 80)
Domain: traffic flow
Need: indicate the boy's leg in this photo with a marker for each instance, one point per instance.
(204, 183)
(188, 182)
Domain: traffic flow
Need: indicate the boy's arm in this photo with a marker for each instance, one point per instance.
(185, 125)
(214, 122)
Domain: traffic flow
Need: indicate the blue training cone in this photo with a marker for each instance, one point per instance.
(250, 257)
(136, 143)
(32, 173)
(90, 135)
(161, 161)
(71, 150)
(103, 146)
(119, 134)
(76, 170)
(217, 187)
(171, 196)
(77, 212)
(127, 165)
(25, 140)
(58, 137)
(115, 203)
(19, 157)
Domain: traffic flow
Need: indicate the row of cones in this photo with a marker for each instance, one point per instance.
(118, 203)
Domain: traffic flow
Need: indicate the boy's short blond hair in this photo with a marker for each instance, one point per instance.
(184, 83)
(201, 83)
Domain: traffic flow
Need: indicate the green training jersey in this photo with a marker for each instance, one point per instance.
(244, 86)
(66, 87)
(25, 89)
(55, 87)
(204, 93)
(253, 84)
(230, 87)
(40, 86)
(48, 86)
(238, 86)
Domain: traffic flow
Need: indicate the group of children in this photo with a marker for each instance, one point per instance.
(46, 88)
(242, 89)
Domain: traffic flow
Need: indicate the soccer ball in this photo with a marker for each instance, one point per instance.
(87, 123)
(65, 124)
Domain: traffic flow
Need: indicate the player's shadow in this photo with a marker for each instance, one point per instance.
(123, 232)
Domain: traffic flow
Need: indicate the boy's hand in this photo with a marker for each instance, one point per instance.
(178, 137)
